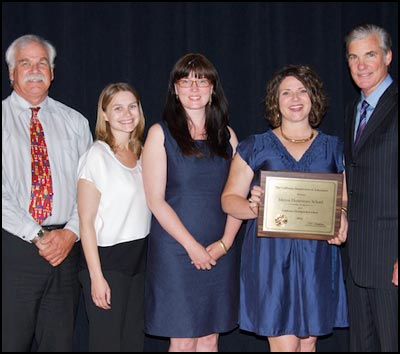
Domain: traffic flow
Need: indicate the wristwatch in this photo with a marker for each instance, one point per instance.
(38, 236)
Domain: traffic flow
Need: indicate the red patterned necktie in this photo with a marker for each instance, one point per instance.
(42, 189)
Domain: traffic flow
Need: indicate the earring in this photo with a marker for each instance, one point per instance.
(210, 101)
(177, 97)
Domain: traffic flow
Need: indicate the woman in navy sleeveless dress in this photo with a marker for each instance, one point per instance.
(192, 280)
(291, 290)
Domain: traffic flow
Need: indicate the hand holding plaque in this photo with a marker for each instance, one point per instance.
(300, 205)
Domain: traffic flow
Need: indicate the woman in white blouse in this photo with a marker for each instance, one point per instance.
(114, 222)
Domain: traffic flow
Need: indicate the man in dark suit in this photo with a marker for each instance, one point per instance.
(371, 156)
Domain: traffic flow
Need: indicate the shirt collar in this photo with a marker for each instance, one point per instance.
(21, 104)
(374, 97)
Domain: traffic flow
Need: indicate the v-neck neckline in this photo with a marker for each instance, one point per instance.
(287, 153)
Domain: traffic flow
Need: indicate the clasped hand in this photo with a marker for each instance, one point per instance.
(205, 258)
(55, 245)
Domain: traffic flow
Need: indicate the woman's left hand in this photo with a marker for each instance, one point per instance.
(341, 237)
(215, 250)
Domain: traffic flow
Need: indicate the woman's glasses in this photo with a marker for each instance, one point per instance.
(187, 83)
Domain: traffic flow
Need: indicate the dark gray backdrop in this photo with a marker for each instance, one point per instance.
(139, 42)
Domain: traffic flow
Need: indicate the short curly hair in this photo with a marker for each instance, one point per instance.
(313, 84)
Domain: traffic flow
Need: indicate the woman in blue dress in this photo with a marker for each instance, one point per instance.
(192, 279)
(291, 290)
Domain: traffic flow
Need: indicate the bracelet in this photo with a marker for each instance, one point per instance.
(223, 246)
(344, 210)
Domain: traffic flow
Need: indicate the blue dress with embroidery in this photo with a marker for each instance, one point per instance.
(181, 301)
(291, 286)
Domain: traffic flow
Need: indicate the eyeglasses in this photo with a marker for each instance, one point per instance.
(187, 83)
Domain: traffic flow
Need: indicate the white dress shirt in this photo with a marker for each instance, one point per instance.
(68, 136)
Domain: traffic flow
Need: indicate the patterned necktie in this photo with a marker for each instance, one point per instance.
(363, 121)
(42, 189)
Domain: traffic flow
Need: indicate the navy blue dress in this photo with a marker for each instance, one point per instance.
(181, 301)
(291, 286)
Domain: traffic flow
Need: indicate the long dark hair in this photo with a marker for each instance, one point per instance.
(217, 116)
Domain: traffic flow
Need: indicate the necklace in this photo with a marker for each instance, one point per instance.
(297, 141)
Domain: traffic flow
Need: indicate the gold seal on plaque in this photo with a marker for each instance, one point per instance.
(281, 220)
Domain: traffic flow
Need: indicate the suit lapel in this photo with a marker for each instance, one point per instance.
(378, 117)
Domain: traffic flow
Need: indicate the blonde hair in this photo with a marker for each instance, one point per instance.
(103, 130)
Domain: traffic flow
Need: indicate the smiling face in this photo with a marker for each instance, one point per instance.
(294, 101)
(194, 93)
(123, 113)
(368, 63)
(32, 74)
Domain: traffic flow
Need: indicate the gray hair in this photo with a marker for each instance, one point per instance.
(365, 30)
(25, 40)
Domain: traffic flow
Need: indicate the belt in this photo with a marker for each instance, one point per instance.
(53, 227)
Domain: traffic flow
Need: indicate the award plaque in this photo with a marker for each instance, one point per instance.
(300, 205)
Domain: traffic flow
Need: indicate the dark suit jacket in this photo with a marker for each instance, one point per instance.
(371, 176)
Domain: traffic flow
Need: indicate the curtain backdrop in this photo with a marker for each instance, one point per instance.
(139, 42)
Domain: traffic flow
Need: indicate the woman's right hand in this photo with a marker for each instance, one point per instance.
(200, 258)
(255, 198)
(101, 293)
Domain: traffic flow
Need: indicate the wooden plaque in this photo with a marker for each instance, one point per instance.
(300, 205)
